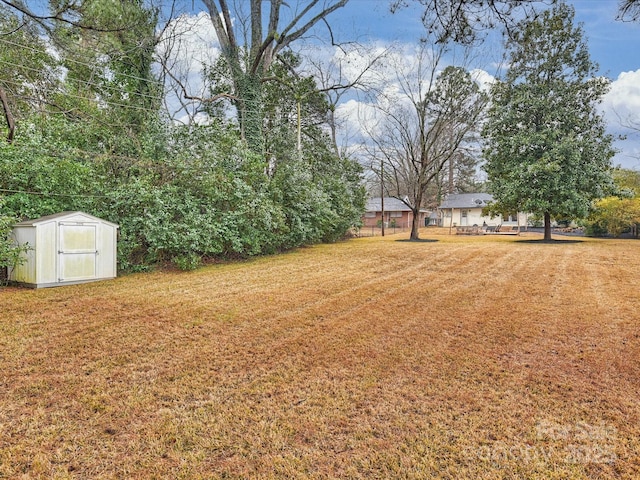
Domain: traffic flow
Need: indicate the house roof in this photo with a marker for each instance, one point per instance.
(391, 204)
(60, 216)
(466, 200)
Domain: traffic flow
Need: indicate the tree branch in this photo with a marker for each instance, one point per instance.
(629, 11)
(285, 38)
(187, 96)
(59, 17)
(7, 115)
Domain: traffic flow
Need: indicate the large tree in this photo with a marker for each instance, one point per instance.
(427, 120)
(88, 63)
(249, 49)
(546, 147)
(28, 74)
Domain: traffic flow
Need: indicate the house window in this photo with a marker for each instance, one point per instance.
(395, 214)
(370, 214)
(465, 213)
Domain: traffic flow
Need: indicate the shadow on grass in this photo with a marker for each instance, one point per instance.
(553, 241)
(420, 240)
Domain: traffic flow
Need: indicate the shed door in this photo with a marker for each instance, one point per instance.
(77, 253)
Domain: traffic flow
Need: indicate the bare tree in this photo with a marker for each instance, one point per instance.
(629, 10)
(427, 117)
(186, 54)
(632, 124)
(249, 49)
(350, 70)
(465, 21)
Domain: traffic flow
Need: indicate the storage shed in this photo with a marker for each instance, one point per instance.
(65, 248)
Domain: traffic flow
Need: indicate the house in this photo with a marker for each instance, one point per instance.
(465, 209)
(396, 213)
(64, 249)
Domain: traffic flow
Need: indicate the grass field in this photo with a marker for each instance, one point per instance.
(464, 357)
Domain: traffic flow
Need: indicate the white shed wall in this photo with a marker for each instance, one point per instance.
(26, 272)
(46, 252)
(107, 247)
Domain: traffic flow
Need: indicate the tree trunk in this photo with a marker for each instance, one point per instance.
(264, 48)
(547, 227)
(7, 115)
(415, 225)
(331, 118)
(250, 111)
(451, 188)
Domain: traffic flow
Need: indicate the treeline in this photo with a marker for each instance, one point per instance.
(187, 199)
(615, 215)
(88, 129)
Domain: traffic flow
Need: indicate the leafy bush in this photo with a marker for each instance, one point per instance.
(11, 255)
(200, 195)
(42, 184)
(189, 261)
(594, 229)
(614, 215)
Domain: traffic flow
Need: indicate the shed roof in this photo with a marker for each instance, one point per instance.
(466, 200)
(60, 216)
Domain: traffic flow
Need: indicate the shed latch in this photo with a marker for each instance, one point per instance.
(62, 252)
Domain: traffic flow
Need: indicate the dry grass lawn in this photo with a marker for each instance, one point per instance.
(466, 357)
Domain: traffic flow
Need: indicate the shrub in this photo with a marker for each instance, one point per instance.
(189, 261)
(10, 253)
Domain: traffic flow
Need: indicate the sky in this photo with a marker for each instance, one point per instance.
(613, 45)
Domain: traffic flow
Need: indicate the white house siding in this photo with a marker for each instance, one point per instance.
(465, 209)
(474, 217)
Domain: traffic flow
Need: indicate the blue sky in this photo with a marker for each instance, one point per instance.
(613, 45)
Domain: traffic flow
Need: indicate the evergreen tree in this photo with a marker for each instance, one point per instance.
(546, 148)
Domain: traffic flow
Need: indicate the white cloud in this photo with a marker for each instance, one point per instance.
(622, 103)
(199, 118)
(188, 44)
(483, 78)
(621, 108)
(358, 117)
